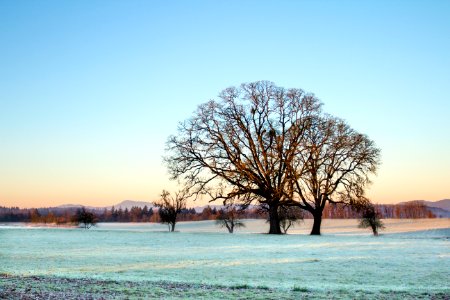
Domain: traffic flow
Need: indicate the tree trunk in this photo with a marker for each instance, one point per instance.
(228, 225)
(375, 230)
(274, 220)
(317, 222)
(173, 227)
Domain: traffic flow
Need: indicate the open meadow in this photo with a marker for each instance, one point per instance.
(410, 259)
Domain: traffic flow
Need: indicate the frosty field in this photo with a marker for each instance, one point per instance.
(411, 257)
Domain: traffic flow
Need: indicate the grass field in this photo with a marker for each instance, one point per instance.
(411, 259)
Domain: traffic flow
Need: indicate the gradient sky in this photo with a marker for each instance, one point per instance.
(90, 90)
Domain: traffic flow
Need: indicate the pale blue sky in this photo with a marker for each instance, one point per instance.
(90, 90)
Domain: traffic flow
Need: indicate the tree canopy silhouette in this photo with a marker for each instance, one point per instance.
(332, 164)
(170, 206)
(273, 146)
(229, 217)
(371, 218)
(289, 217)
(85, 218)
(243, 144)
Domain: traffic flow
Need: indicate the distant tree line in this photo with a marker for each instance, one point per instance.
(410, 210)
(149, 214)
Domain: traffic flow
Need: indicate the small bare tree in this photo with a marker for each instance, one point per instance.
(289, 217)
(371, 218)
(85, 218)
(170, 206)
(229, 217)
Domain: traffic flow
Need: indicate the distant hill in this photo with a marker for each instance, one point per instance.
(199, 209)
(439, 212)
(440, 209)
(442, 204)
(69, 206)
(130, 203)
(124, 204)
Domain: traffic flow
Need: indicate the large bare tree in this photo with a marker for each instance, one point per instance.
(332, 164)
(243, 145)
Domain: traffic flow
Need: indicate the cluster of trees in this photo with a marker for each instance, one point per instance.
(135, 214)
(57, 216)
(409, 210)
(41, 215)
(272, 147)
(145, 214)
(264, 145)
(171, 206)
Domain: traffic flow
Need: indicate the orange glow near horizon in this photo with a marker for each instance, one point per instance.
(89, 191)
(99, 180)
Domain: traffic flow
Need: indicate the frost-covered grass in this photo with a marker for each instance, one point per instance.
(51, 287)
(404, 260)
